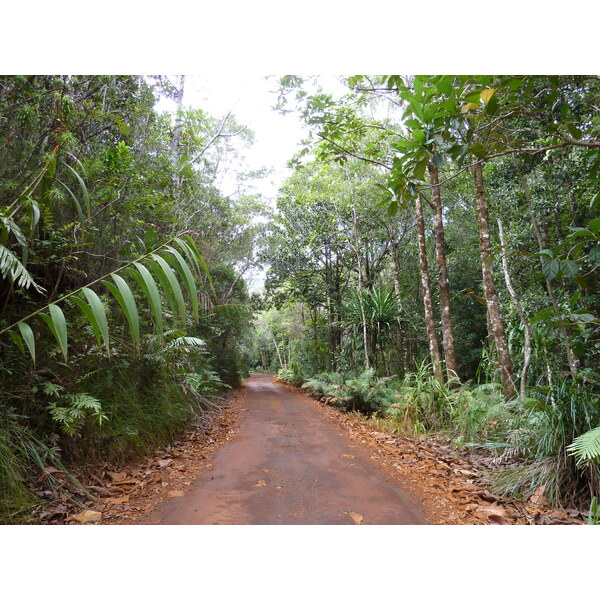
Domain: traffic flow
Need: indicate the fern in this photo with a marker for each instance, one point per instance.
(185, 342)
(71, 410)
(586, 447)
(14, 271)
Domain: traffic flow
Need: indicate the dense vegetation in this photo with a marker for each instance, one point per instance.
(122, 308)
(434, 263)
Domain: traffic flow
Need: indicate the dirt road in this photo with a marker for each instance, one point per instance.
(289, 464)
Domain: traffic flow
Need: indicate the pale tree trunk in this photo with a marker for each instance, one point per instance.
(434, 349)
(549, 284)
(489, 286)
(177, 129)
(277, 349)
(522, 316)
(402, 327)
(360, 289)
(444, 284)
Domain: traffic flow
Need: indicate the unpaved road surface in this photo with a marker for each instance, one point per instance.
(289, 464)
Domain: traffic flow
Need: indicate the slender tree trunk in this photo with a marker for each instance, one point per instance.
(403, 337)
(522, 316)
(177, 129)
(360, 290)
(549, 284)
(489, 286)
(444, 284)
(277, 349)
(434, 349)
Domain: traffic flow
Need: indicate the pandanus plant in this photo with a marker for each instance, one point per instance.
(380, 312)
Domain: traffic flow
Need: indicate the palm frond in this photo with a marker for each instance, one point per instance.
(586, 447)
(13, 270)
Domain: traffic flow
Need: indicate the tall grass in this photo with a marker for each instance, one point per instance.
(545, 425)
(23, 456)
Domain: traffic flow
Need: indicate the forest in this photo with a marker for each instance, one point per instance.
(431, 265)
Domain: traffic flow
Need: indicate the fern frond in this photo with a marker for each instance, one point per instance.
(185, 342)
(13, 270)
(586, 447)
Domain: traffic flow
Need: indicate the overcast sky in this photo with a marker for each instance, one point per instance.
(251, 98)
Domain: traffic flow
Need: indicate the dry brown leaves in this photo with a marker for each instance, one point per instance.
(358, 519)
(446, 482)
(129, 494)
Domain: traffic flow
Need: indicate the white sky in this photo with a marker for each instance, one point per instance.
(251, 98)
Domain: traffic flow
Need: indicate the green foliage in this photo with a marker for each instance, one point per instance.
(94, 195)
(72, 410)
(544, 432)
(95, 313)
(586, 447)
(364, 393)
(288, 375)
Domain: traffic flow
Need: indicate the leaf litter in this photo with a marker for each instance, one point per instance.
(127, 494)
(448, 482)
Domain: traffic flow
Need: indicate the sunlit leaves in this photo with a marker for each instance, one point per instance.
(486, 95)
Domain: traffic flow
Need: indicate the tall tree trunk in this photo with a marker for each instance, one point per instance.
(522, 316)
(549, 284)
(360, 289)
(489, 286)
(277, 349)
(434, 349)
(403, 337)
(177, 129)
(444, 283)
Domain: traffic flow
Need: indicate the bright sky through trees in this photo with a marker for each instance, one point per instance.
(251, 99)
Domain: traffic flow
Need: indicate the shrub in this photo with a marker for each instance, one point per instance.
(289, 375)
(545, 426)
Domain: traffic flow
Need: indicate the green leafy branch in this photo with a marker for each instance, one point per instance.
(162, 265)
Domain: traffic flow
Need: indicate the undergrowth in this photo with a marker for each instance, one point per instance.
(532, 438)
(117, 410)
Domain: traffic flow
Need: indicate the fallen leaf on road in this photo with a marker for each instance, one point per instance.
(348, 456)
(54, 509)
(126, 482)
(87, 516)
(265, 470)
(358, 519)
(261, 483)
(99, 491)
(165, 463)
(493, 514)
(485, 495)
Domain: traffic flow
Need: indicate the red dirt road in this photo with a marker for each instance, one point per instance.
(288, 464)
